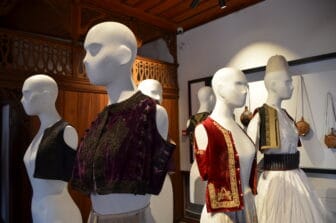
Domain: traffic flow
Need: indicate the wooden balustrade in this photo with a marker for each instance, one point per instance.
(25, 54)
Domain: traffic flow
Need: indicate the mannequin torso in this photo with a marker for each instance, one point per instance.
(51, 201)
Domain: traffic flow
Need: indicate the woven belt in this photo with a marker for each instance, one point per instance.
(288, 161)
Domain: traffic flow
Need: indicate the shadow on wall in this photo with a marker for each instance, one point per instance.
(330, 201)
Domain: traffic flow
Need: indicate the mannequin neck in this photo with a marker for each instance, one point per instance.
(274, 100)
(120, 89)
(204, 108)
(222, 113)
(48, 118)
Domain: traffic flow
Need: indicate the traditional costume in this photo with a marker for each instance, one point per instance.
(285, 194)
(219, 165)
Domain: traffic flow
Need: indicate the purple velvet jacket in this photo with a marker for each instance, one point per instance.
(122, 151)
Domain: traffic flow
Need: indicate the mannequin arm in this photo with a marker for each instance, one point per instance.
(201, 143)
(70, 137)
(201, 137)
(162, 121)
(253, 129)
(188, 123)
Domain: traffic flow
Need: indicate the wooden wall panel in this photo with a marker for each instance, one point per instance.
(69, 108)
(171, 105)
(80, 109)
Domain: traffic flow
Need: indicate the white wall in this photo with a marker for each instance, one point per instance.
(246, 39)
(157, 49)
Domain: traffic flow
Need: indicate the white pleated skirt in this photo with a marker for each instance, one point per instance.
(287, 196)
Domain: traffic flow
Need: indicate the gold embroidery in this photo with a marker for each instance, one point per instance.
(200, 152)
(231, 198)
(115, 138)
(271, 128)
(224, 194)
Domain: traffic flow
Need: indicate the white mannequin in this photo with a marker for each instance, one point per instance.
(230, 88)
(51, 201)
(110, 52)
(163, 201)
(206, 99)
(197, 186)
(151, 88)
(282, 191)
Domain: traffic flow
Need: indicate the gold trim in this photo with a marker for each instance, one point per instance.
(232, 198)
(272, 129)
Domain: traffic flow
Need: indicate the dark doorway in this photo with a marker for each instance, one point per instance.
(14, 187)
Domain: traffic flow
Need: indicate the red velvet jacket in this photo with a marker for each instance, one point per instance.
(219, 165)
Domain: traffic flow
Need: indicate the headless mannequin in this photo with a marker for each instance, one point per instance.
(51, 201)
(110, 52)
(197, 187)
(163, 201)
(230, 88)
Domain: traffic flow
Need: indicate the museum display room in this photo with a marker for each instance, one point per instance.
(168, 111)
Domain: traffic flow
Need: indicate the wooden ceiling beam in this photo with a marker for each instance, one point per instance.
(134, 12)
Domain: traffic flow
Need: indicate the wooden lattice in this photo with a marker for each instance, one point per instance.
(23, 53)
(165, 73)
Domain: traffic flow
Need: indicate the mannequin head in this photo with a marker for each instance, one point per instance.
(230, 87)
(39, 94)
(111, 49)
(277, 78)
(151, 88)
(206, 97)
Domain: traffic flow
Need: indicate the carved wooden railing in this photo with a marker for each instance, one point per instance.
(145, 68)
(26, 54)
